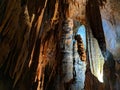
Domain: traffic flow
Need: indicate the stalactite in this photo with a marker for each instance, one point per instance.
(35, 57)
(21, 61)
(94, 19)
(96, 60)
(94, 70)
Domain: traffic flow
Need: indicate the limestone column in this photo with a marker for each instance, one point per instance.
(66, 47)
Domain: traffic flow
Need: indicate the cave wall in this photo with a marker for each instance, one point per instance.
(111, 22)
(110, 18)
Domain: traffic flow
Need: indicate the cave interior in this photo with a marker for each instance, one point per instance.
(59, 44)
